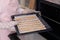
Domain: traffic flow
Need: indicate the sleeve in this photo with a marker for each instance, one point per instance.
(8, 8)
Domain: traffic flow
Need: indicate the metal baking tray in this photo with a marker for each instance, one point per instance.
(48, 28)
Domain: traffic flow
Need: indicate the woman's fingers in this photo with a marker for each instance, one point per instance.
(8, 25)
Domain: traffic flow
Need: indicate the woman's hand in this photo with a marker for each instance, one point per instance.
(6, 28)
(8, 25)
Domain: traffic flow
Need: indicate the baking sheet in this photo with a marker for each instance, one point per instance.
(29, 23)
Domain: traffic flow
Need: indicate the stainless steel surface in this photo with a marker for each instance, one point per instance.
(32, 36)
(54, 1)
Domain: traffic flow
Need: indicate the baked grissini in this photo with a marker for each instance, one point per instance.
(29, 23)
